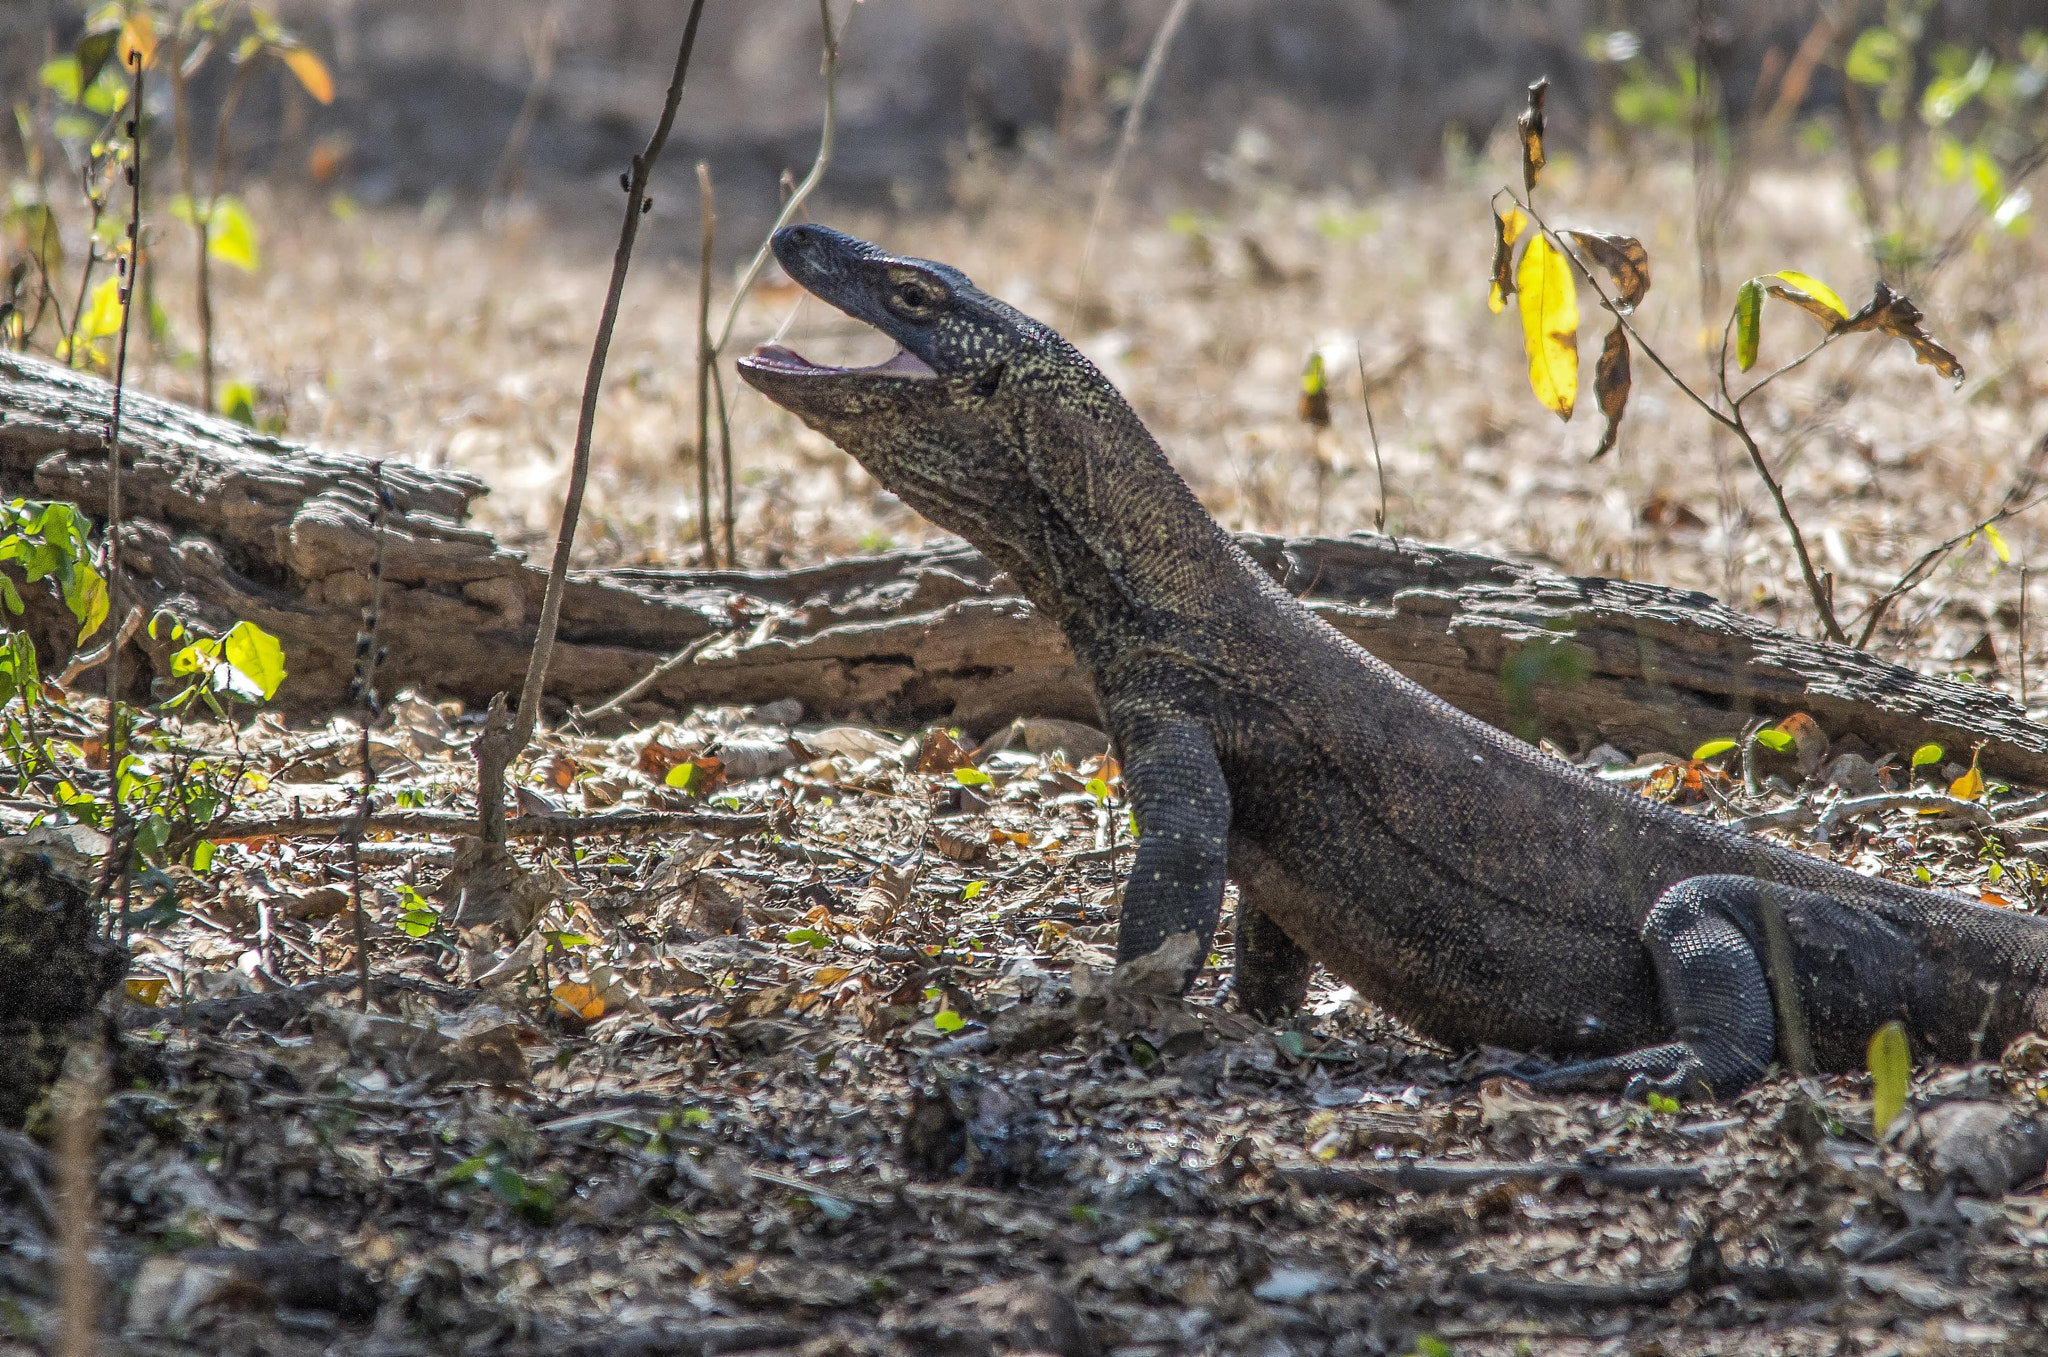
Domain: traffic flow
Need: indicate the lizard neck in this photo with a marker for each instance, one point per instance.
(1121, 551)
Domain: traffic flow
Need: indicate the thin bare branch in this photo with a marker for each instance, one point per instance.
(579, 471)
(1148, 77)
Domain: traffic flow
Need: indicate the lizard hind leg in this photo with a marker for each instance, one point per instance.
(1706, 939)
(1272, 971)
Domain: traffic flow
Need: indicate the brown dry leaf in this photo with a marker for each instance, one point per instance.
(1611, 386)
(884, 894)
(1625, 260)
(1661, 511)
(1507, 229)
(655, 759)
(941, 753)
(1530, 125)
(1809, 741)
(559, 771)
(1895, 314)
(958, 847)
(766, 1003)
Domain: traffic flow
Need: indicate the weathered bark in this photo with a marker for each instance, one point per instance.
(229, 523)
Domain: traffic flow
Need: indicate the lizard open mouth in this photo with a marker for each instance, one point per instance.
(776, 358)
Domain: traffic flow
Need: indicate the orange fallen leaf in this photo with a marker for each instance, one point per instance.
(580, 999)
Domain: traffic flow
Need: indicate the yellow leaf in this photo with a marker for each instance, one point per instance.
(581, 1000)
(103, 318)
(1815, 289)
(147, 990)
(312, 73)
(1891, 1067)
(1550, 324)
(138, 37)
(1997, 541)
(231, 236)
(1970, 785)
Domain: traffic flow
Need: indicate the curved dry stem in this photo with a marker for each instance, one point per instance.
(826, 140)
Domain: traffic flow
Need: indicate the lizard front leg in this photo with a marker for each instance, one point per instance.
(1182, 806)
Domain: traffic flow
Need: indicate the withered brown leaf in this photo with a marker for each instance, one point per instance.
(1530, 125)
(1611, 386)
(1895, 314)
(1507, 229)
(1625, 260)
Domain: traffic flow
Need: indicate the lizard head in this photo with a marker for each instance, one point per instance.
(941, 423)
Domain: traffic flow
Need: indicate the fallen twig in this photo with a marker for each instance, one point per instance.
(524, 826)
(1435, 1175)
(1950, 808)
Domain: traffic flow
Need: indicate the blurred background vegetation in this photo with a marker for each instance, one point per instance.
(407, 235)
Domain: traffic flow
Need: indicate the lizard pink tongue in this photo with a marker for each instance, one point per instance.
(777, 355)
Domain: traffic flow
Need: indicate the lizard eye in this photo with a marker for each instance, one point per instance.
(990, 381)
(914, 296)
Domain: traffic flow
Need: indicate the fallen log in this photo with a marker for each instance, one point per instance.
(229, 523)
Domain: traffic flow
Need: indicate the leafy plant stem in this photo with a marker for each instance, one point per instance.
(1916, 574)
(92, 256)
(637, 178)
(368, 653)
(1730, 420)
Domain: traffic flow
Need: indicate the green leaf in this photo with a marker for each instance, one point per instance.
(1662, 1102)
(1711, 748)
(1874, 57)
(238, 402)
(970, 776)
(417, 923)
(62, 75)
(946, 1020)
(972, 889)
(231, 236)
(85, 593)
(1749, 311)
(1926, 754)
(680, 775)
(1098, 789)
(202, 855)
(257, 656)
(1891, 1068)
(1773, 739)
(807, 935)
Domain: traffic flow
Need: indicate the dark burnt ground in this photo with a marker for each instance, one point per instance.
(829, 1101)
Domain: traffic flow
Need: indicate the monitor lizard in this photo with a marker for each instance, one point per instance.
(1477, 888)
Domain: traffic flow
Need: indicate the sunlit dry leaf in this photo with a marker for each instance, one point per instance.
(1625, 260)
(1530, 125)
(147, 990)
(1986, 895)
(1810, 742)
(940, 752)
(958, 847)
(1550, 325)
(311, 72)
(1507, 229)
(138, 38)
(579, 999)
(1970, 786)
(1611, 386)
(1895, 314)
